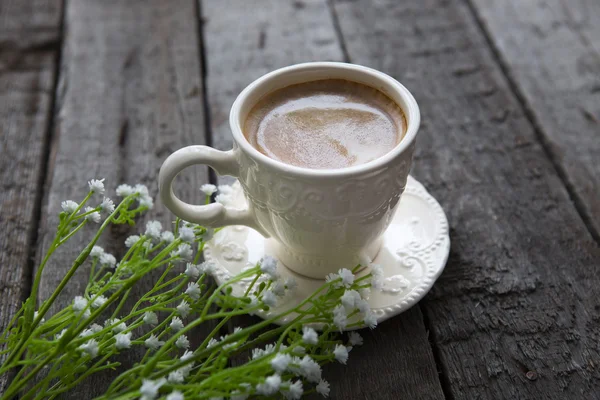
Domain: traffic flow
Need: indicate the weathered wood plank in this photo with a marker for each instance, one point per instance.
(29, 47)
(551, 49)
(271, 34)
(515, 313)
(130, 94)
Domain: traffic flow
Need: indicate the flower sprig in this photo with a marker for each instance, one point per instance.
(52, 354)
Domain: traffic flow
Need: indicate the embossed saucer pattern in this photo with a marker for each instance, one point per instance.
(413, 255)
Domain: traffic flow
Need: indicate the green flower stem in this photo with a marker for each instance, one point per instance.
(229, 339)
(121, 304)
(72, 233)
(17, 383)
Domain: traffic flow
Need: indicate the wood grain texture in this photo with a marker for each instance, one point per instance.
(29, 47)
(515, 313)
(551, 50)
(130, 93)
(396, 360)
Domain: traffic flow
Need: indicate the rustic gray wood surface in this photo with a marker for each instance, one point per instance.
(551, 52)
(509, 145)
(514, 315)
(29, 47)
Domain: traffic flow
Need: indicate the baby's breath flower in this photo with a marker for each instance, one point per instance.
(95, 328)
(270, 386)
(208, 189)
(96, 185)
(184, 251)
(193, 290)
(333, 278)
(124, 190)
(153, 343)
(223, 199)
(355, 339)
(176, 324)
(192, 271)
(323, 388)
(175, 377)
(280, 362)
(365, 292)
(79, 303)
(123, 340)
(175, 395)
(167, 237)
(69, 206)
(186, 355)
(291, 284)
(108, 260)
(186, 234)
(107, 205)
(90, 347)
(98, 301)
(347, 277)
(58, 336)
(149, 389)
(340, 319)
(206, 267)
(211, 343)
(183, 309)
(225, 189)
(142, 190)
(146, 201)
(341, 353)
(299, 350)
(269, 298)
(131, 240)
(350, 298)
(118, 325)
(35, 315)
(278, 288)
(370, 320)
(86, 332)
(310, 369)
(294, 391)
(376, 276)
(93, 216)
(363, 306)
(309, 335)
(182, 342)
(96, 252)
(150, 318)
(268, 265)
(153, 229)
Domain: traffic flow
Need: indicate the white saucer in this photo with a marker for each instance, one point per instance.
(413, 255)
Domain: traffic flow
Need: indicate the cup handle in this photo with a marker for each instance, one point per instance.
(213, 215)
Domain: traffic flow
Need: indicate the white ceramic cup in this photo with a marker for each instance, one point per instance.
(317, 220)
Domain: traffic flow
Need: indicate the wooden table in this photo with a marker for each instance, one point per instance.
(509, 144)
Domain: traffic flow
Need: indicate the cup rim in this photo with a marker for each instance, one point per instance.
(411, 110)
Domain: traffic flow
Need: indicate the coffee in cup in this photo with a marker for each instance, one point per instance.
(325, 124)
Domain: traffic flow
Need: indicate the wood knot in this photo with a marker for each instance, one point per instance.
(531, 375)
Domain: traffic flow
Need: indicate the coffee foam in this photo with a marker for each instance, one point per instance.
(330, 123)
